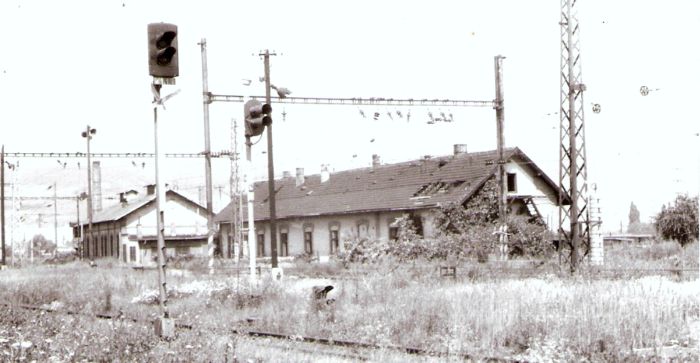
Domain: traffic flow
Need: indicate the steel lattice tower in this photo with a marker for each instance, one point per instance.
(573, 217)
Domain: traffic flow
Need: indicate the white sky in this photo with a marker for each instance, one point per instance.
(66, 64)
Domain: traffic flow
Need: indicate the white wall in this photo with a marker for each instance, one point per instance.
(529, 184)
(178, 217)
(377, 224)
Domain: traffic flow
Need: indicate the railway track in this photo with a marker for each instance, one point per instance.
(355, 351)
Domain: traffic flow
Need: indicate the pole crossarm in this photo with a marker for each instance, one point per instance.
(217, 154)
(355, 101)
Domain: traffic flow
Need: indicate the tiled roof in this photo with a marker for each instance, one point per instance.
(119, 211)
(416, 184)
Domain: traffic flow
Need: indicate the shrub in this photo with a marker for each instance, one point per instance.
(528, 238)
(362, 250)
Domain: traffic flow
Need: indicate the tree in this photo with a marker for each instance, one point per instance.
(42, 245)
(634, 225)
(679, 221)
(633, 215)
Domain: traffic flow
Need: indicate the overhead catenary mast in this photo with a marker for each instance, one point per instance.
(574, 226)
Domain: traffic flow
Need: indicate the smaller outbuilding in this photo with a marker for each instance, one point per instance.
(127, 231)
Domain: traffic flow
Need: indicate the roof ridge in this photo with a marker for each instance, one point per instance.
(407, 162)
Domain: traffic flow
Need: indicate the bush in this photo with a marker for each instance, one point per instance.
(474, 237)
(528, 239)
(679, 221)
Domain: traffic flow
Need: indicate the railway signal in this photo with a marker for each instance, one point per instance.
(256, 116)
(162, 50)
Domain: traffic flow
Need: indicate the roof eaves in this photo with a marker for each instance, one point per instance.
(357, 211)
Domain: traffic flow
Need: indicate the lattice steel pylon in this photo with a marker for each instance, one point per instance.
(574, 218)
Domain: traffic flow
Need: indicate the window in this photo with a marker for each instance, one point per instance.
(417, 222)
(284, 244)
(124, 252)
(308, 238)
(334, 241)
(333, 237)
(511, 182)
(132, 253)
(111, 245)
(261, 245)
(308, 242)
(182, 251)
(393, 233)
(432, 189)
(362, 229)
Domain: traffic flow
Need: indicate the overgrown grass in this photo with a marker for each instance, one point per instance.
(652, 255)
(546, 317)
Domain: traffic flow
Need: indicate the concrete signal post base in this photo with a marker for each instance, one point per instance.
(165, 328)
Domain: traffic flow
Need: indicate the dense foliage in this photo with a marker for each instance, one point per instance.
(462, 232)
(679, 221)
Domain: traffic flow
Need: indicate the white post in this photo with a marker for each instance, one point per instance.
(252, 248)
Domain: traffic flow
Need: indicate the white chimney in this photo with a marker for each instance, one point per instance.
(300, 177)
(325, 175)
(460, 149)
(375, 161)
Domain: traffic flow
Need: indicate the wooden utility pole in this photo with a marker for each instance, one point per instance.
(2, 200)
(500, 144)
(55, 221)
(270, 167)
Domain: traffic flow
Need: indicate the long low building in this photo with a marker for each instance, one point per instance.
(317, 213)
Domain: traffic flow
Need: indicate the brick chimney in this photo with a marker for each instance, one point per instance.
(460, 149)
(300, 177)
(150, 189)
